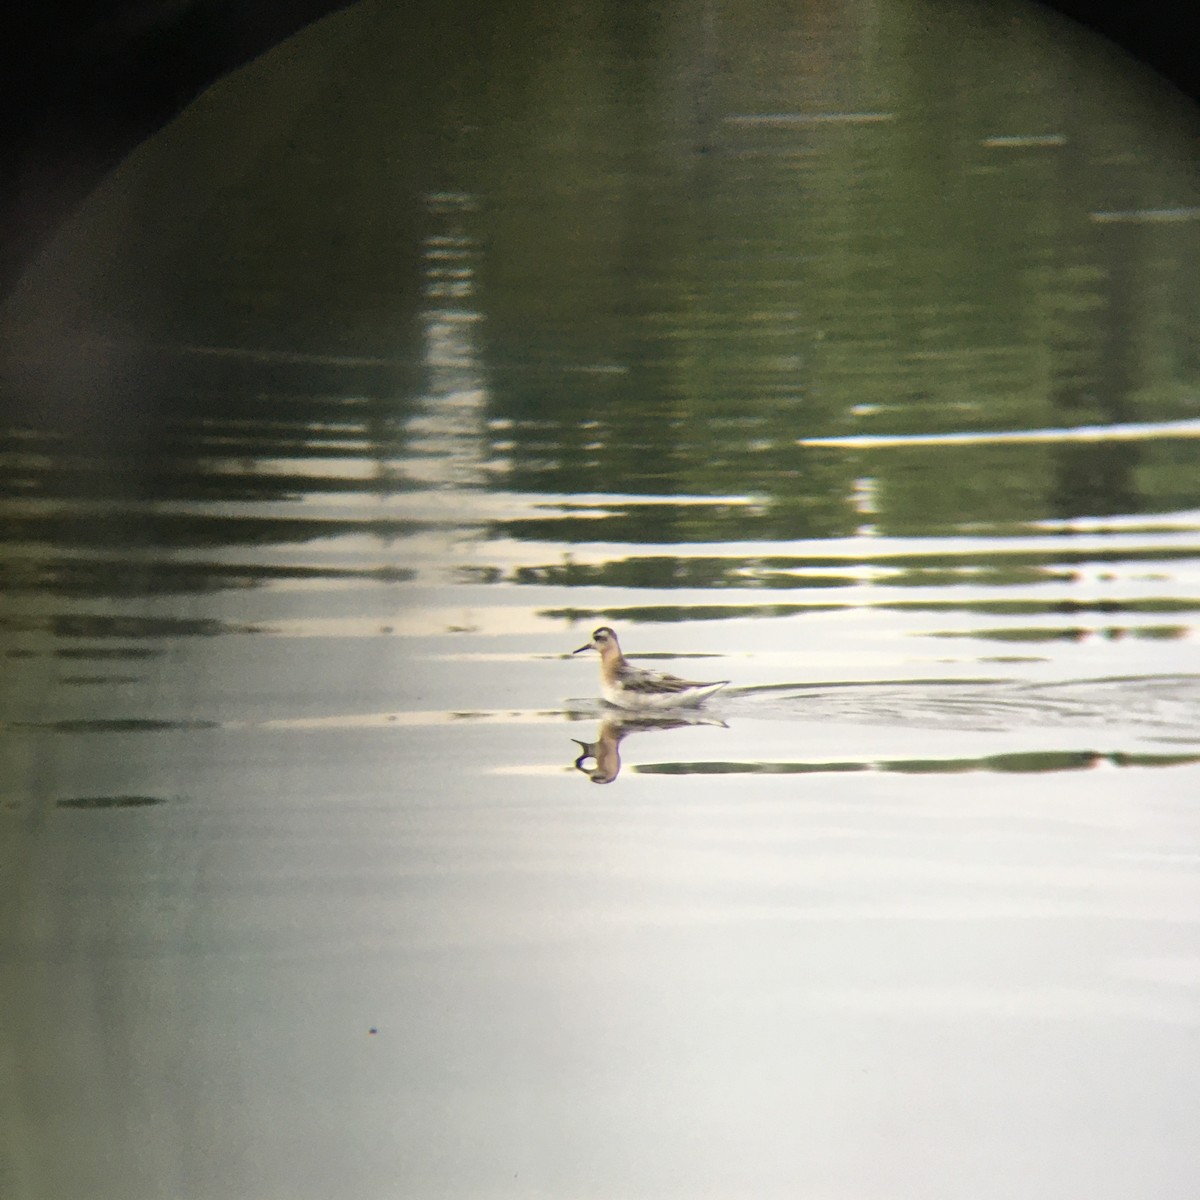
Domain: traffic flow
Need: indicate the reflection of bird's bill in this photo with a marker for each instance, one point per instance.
(604, 753)
(586, 750)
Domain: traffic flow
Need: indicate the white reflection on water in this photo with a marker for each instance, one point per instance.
(1134, 431)
(448, 437)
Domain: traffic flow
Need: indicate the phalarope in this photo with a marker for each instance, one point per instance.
(627, 686)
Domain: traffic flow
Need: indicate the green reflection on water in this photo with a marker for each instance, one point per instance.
(1036, 762)
(430, 248)
(687, 248)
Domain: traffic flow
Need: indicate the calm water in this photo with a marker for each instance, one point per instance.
(846, 353)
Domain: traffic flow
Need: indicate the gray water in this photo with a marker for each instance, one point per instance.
(846, 354)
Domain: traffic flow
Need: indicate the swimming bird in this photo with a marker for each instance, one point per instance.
(627, 686)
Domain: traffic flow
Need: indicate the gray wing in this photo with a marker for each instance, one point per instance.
(643, 682)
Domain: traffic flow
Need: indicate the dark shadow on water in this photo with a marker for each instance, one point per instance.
(116, 725)
(92, 803)
(103, 653)
(126, 578)
(80, 625)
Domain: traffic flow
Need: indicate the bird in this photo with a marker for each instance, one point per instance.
(630, 687)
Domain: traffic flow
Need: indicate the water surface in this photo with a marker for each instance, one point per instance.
(849, 356)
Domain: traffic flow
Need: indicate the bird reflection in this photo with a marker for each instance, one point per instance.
(600, 760)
